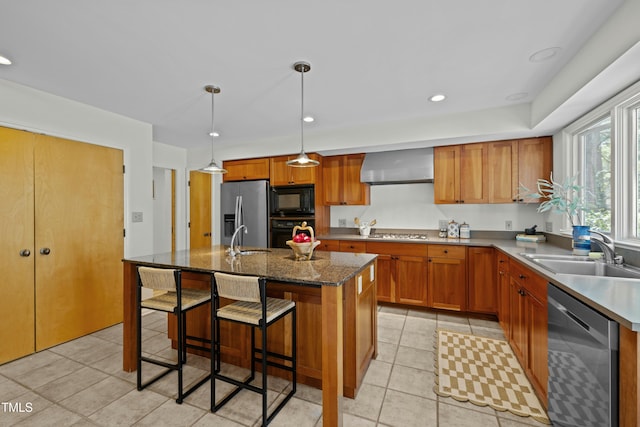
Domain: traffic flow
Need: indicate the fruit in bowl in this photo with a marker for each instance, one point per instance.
(303, 242)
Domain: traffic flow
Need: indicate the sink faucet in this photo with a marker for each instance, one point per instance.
(234, 249)
(608, 248)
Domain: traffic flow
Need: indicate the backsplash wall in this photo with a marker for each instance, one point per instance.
(411, 206)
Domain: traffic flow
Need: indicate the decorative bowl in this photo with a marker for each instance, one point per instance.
(303, 251)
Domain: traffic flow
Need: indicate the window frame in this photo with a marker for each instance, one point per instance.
(624, 160)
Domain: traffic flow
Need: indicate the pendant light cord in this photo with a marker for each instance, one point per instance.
(302, 111)
(212, 120)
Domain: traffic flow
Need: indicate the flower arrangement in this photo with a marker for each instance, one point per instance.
(559, 197)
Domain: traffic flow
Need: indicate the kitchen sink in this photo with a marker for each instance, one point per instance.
(568, 264)
(556, 257)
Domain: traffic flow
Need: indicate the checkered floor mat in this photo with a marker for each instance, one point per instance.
(484, 371)
(585, 402)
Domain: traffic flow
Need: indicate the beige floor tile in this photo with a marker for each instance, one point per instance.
(413, 381)
(10, 389)
(416, 358)
(484, 323)
(46, 373)
(453, 318)
(417, 324)
(97, 396)
(129, 408)
(406, 410)
(112, 333)
(367, 403)
(297, 413)
(245, 407)
(422, 314)
(386, 352)
(393, 310)
(70, 384)
(391, 336)
(497, 334)
(210, 420)
(172, 414)
(421, 340)
(378, 373)
(87, 349)
(53, 415)
(467, 405)
(391, 321)
(22, 366)
(507, 419)
(22, 407)
(457, 416)
(454, 327)
(168, 385)
(308, 393)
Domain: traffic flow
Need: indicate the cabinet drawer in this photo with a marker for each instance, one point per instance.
(447, 251)
(535, 284)
(352, 246)
(329, 245)
(410, 249)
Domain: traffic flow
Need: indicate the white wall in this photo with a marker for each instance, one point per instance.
(410, 206)
(37, 111)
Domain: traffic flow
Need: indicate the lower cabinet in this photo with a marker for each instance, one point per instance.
(447, 277)
(502, 271)
(481, 281)
(528, 329)
(402, 272)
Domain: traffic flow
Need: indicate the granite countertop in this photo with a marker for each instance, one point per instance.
(324, 269)
(617, 298)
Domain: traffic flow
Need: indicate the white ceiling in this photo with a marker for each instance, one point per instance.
(371, 61)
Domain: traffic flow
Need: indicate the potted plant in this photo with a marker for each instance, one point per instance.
(564, 198)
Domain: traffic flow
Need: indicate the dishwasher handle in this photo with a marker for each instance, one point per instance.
(597, 335)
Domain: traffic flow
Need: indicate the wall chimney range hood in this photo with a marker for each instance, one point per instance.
(398, 167)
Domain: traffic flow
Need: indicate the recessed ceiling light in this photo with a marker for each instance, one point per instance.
(308, 119)
(544, 54)
(214, 134)
(4, 60)
(517, 96)
(437, 98)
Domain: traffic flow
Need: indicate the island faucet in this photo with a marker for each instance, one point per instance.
(608, 248)
(234, 249)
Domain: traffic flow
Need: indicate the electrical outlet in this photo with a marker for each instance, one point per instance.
(548, 226)
(136, 216)
(508, 225)
(342, 222)
(442, 223)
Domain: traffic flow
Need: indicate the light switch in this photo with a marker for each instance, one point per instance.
(136, 217)
(359, 280)
(372, 272)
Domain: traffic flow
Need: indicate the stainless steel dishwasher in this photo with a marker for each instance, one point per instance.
(583, 363)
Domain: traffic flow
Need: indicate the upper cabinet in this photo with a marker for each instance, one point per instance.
(490, 172)
(282, 174)
(460, 173)
(341, 180)
(246, 169)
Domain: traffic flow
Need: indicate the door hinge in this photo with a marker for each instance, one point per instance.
(189, 224)
(123, 169)
(124, 232)
(189, 183)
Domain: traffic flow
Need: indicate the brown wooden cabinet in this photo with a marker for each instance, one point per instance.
(341, 180)
(481, 281)
(447, 277)
(516, 163)
(502, 271)
(353, 246)
(490, 172)
(246, 169)
(460, 174)
(329, 245)
(402, 272)
(528, 324)
(282, 174)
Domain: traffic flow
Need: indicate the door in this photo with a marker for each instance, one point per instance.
(199, 209)
(16, 229)
(473, 173)
(79, 245)
(411, 280)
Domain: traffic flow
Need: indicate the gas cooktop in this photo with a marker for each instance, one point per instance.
(399, 236)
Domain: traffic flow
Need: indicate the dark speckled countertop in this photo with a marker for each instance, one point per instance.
(324, 269)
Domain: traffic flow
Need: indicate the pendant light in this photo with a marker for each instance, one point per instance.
(302, 161)
(213, 166)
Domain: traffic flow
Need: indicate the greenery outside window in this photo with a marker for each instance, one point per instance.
(595, 176)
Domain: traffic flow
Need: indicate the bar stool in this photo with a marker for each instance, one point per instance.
(251, 307)
(174, 300)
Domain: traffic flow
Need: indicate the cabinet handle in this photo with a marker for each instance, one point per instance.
(45, 251)
(501, 261)
(446, 251)
(522, 276)
(25, 252)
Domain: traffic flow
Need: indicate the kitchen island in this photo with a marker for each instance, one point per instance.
(335, 293)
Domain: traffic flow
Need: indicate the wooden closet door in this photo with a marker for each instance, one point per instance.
(79, 198)
(200, 209)
(16, 229)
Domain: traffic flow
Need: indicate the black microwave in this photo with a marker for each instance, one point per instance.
(293, 200)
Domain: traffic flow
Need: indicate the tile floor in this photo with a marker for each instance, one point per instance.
(81, 383)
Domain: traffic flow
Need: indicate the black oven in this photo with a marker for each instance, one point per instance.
(282, 229)
(293, 200)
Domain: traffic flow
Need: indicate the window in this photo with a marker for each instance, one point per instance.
(603, 150)
(595, 176)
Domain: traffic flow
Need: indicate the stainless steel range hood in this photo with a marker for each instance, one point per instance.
(398, 167)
